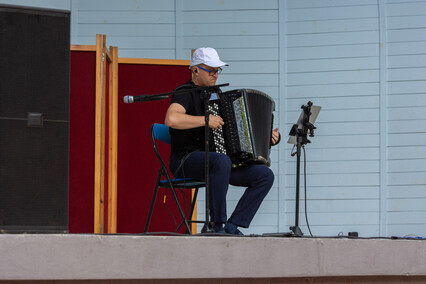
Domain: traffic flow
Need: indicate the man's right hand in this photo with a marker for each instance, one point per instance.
(215, 122)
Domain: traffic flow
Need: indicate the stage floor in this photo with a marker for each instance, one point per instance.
(199, 258)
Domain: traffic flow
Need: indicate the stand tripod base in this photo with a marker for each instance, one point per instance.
(207, 228)
(295, 232)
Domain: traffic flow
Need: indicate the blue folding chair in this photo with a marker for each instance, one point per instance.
(161, 132)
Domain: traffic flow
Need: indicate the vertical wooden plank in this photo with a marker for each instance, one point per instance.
(98, 183)
(113, 141)
(103, 136)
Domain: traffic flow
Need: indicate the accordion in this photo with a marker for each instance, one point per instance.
(246, 135)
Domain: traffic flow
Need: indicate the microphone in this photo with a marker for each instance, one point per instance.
(142, 98)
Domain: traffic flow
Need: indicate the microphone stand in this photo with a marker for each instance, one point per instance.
(205, 95)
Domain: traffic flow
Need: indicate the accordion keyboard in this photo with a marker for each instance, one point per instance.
(218, 138)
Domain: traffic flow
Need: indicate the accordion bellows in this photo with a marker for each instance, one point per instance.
(246, 134)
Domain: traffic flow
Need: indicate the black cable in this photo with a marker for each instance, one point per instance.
(306, 198)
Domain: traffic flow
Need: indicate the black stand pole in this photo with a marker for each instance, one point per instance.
(295, 230)
(206, 94)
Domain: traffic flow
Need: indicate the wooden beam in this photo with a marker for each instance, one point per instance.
(153, 61)
(98, 168)
(113, 141)
(75, 47)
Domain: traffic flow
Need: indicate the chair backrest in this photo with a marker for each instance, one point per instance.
(160, 132)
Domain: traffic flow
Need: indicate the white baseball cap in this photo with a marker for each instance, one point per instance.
(207, 56)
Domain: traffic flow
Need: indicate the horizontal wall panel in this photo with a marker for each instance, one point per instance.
(337, 192)
(336, 206)
(407, 179)
(337, 180)
(130, 5)
(341, 154)
(411, 139)
(338, 167)
(343, 38)
(405, 9)
(341, 218)
(406, 61)
(310, 92)
(341, 77)
(139, 30)
(406, 100)
(407, 152)
(235, 29)
(332, 26)
(410, 87)
(407, 113)
(238, 16)
(406, 74)
(404, 126)
(332, 13)
(126, 17)
(258, 41)
(332, 64)
(407, 35)
(405, 166)
(407, 191)
(293, 4)
(333, 52)
(407, 22)
(407, 204)
(194, 5)
(406, 48)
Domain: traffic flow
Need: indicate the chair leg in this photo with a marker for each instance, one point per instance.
(151, 208)
(185, 221)
(194, 200)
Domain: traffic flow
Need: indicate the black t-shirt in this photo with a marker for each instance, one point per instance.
(188, 140)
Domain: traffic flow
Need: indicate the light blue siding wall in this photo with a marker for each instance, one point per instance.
(363, 61)
(406, 131)
(333, 60)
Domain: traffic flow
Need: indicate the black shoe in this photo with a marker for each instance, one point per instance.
(232, 229)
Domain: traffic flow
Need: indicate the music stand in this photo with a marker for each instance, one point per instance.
(299, 137)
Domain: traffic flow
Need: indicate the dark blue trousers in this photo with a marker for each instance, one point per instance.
(257, 178)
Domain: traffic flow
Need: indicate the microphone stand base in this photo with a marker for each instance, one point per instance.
(295, 233)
